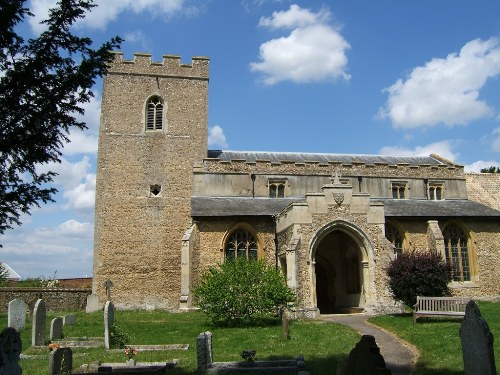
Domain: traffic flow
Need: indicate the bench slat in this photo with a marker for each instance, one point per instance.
(440, 307)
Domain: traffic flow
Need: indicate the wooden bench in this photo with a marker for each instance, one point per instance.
(440, 307)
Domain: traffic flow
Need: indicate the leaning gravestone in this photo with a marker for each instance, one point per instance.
(109, 320)
(10, 350)
(38, 329)
(17, 314)
(56, 329)
(365, 358)
(204, 351)
(60, 361)
(477, 343)
(92, 303)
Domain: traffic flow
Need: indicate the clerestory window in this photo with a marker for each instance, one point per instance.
(436, 191)
(394, 237)
(398, 190)
(457, 252)
(154, 113)
(277, 189)
(241, 244)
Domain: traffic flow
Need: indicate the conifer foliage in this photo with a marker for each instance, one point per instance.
(415, 274)
(44, 81)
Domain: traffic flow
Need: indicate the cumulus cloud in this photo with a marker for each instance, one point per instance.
(480, 164)
(445, 91)
(314, 51)
(443, 148)
(216, 137)
(82, 196)
(109, 10)
(139, 38)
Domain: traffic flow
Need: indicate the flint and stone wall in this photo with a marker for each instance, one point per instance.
(56, 299)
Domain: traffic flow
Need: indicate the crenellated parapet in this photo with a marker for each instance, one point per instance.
(170, 66)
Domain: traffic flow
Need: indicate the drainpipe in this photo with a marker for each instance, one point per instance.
(252, 176)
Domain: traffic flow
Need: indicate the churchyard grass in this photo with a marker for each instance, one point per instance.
(438, 340)
(323, 344)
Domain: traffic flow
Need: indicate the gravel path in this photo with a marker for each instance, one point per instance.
(400, 356)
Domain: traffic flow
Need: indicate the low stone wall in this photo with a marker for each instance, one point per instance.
(57, 299)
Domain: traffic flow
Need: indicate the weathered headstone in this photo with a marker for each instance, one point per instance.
(60, 361)
(69, 320)
(285, 325)
(38, 327)
(10, 350)
(204, 351)
(17, 314)
(109, 320)
(477, 343)
(365, 358)
(56, 329)
(92, 303)
(107, 285)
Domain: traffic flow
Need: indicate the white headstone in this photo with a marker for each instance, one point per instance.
(92, 303)
(17, 314)
(38, 329)
(109, 320)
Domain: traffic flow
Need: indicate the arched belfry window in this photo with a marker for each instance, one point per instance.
(394, 236)
(241, 244)
(154, 113)
(457, 252)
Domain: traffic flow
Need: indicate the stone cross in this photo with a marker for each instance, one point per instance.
(108, 284)
(17, 314)
(38, 328)
(477, 343)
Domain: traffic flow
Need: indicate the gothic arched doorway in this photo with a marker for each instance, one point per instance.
(339, 276)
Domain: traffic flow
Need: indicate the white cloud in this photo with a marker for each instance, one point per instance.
(314, 51)
(109, 10)
(480, 164)
(443, 148)
(216, 137)
(82, 197)
(445, 90)
(139, 38)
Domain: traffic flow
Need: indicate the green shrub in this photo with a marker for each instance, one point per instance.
(117, 337)
(4, 274)
(418, 274)
(242, 292)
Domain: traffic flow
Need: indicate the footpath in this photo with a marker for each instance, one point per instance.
(400, 357)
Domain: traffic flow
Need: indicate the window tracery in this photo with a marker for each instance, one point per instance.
(154, 113)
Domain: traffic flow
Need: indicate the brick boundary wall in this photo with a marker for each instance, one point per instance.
(57, 299)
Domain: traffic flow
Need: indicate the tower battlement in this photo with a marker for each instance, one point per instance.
(171, 65)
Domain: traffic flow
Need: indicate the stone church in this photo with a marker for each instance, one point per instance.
(167, 208)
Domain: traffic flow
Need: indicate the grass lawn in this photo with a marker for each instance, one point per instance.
(322, 344)
(438, 340)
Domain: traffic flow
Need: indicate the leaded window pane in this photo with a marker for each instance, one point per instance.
(393, 235)
(457, 252)
(241, 244)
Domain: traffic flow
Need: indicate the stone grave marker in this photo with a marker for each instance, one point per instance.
(109, 320)
(477, 343)
(285, 318)
(69, 320)
(56, 329)
(92, 303)
(10, 351)
(60, 361)
(365, 358)
(204, 351)
(108, 284)
(17, 314)
(38, 328)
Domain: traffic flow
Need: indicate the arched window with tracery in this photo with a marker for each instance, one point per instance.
(394, 237)
(154, 113)
(241, 244)
(457, 252)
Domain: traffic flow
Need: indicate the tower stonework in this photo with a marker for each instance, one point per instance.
(144, 176)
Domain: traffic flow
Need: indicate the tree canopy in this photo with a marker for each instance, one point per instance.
(44, 82)
(491, 169)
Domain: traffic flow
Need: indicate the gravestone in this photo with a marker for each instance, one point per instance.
(38, 328)
(109, 320)
(10, 350)
(56, 329)
(108, 284)
(60, 361)
(92, 303)
(477, 343)
(285, 318)
(204, 351)
(17, 314)
(365, 358)
(69, 320)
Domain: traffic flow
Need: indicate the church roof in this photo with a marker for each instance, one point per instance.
(239, 206)
(433, 208)
(297, 157)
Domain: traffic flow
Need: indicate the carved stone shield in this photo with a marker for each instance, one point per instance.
(338, 197)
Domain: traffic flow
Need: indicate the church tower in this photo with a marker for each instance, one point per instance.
(153, 130)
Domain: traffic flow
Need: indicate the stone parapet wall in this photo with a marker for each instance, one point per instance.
(56, 299)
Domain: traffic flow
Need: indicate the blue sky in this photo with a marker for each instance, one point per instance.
(410, 77)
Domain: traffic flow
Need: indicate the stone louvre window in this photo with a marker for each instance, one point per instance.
(154, 116)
